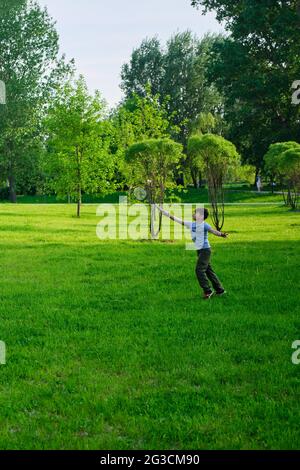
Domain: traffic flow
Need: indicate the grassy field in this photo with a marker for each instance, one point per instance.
(109, 344)
(233, 194)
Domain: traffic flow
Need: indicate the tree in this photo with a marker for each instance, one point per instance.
(242, 174)
(290, 165)
(137, 119)
(145, 69)
(254, 69)
(151, 164)
(216, 156)
(185, 81)
(261, 18)
(30, 68)
(10, 7)
(177, 74)
(274, 168)
(78, 159)
(205, 123)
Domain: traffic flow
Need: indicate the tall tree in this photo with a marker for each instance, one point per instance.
(254, 69)
(138, 118)
(146, 68)
(215, 156)
(276, 170)
(185, 81)
(290, 165)
(29, 68)
(205, 123)
(152, 164)
(78, 159)
(177, 74)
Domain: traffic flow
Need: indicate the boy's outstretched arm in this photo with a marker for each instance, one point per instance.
(217, 233)
(172, 217)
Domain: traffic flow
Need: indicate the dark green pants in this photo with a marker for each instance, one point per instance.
(205, 272)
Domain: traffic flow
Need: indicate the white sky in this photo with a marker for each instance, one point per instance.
(101, 34)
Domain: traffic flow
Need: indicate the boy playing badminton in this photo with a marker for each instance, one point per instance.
(199, 231)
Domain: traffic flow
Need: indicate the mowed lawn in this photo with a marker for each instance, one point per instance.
(109, 345)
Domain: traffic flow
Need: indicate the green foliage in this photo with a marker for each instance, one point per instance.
(215, 156)
(194, 160)
(146, 117)
(254, 69)
(137, 119)
(145, 69)
(78, 157)
(214, 153)
(290, 166)
(254, 21)
(30, 69)
(205, 123)
(281, 163)
(178, 73)
(152, 163)
(10, 7)
(290, 162)
(242, 174)
(272, 158)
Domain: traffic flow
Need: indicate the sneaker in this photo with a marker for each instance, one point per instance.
(220, 292)
(208, 295)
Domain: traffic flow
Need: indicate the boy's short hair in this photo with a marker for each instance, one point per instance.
(203, 212)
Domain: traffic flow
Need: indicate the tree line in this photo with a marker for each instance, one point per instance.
(193, 109)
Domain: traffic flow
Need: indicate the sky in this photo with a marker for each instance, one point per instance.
(101, 34)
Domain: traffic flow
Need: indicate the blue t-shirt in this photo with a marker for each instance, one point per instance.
(199, 233)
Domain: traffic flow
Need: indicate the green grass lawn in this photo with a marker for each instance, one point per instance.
(109, 345)
(233, 194)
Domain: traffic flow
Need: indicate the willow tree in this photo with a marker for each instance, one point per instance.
(275, 170)
(151, 164)
(290, 166)
(215, 156)
(205, 123)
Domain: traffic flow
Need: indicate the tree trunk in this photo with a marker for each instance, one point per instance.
(200, 179)
(154, 233)
(256, 176)
(289, 196)
(180, 180)
(79, 160)
(12, 189)
(79, 202)
(216, 197)
(195, 179)
(194, 182)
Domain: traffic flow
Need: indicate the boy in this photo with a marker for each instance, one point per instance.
(199, 231)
